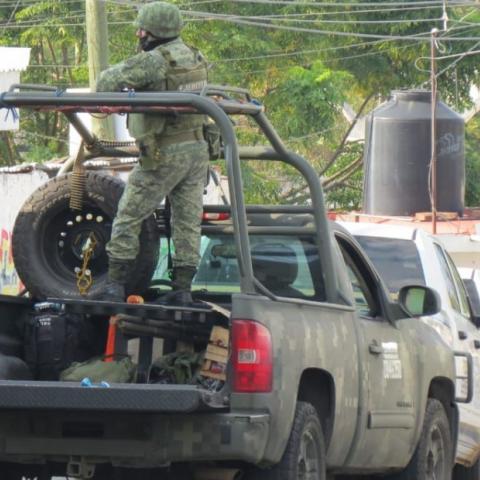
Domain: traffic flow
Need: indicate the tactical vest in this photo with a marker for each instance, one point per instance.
(184, 74)
(186, 69)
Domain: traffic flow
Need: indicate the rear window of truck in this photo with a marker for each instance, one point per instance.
(289, 266)
(397, 261)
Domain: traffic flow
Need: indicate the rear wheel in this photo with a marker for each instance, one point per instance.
(48, 238)
(304, 457)
(463, 473)
(433, 456)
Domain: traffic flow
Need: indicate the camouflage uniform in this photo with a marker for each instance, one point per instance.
(173, 155)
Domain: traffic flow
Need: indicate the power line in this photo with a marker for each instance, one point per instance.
(356, 22)
(345, 4)
(13, 13)
(238, 20)
(350, 12)
(37, 22)
(56, 25)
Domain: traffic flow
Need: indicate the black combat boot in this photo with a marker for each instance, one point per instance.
(118, 273)
(181, 293)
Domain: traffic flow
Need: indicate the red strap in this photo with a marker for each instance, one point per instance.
(112, 333)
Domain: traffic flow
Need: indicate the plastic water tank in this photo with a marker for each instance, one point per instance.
(398, 152)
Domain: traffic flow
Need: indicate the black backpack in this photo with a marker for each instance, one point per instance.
(55, 339)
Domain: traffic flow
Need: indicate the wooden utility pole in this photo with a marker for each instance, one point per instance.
(97, 42)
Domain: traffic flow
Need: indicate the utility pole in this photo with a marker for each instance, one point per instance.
(97, 42)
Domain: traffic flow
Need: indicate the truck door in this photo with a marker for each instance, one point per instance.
(388, 419)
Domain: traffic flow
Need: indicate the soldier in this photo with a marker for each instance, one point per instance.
(173, 154)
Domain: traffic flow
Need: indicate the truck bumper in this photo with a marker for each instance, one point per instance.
(126, 424)
(122, 439)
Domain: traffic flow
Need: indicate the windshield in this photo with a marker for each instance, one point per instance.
(397, 261)
(288, 266)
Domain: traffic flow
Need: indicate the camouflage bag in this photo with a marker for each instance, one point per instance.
(212, 136)
(176, 368)
(97, 370)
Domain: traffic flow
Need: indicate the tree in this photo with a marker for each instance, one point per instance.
(301, 59)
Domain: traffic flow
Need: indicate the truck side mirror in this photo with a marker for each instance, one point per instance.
(473, 300)
(418, 300)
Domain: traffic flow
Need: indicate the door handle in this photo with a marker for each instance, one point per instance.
(476, 344)
(375, 349)
(462, 335)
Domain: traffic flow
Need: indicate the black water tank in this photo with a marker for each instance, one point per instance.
(398, 152)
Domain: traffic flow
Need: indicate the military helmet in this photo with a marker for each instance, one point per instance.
(161, 19)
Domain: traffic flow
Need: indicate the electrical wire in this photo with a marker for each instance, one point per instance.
(12, 14)
(57, 25)
(348, 4)
(454, 55)
(239, 21)
(346, 12)
(402, 6)
(343, 22)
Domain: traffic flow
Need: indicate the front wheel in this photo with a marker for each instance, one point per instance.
(304, 457)
(433, 456)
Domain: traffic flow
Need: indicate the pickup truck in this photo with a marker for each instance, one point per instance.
(405, 255)
(327, 375)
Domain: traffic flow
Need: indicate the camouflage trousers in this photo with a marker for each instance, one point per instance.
(181, 174)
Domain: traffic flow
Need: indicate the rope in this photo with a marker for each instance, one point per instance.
(84, 275)
(9, 108)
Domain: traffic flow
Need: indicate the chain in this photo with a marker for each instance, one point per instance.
(84, 275)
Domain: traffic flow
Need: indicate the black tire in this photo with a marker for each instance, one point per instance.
(305, 450)
(47, 238)
(463, 473)
(433, 456)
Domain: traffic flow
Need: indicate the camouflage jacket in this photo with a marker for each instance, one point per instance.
(171, 66)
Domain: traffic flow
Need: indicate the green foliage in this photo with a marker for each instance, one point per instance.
(307, 99)
(302, 77)
(38, 153)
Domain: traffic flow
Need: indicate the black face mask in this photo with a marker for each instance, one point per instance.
(149, 42)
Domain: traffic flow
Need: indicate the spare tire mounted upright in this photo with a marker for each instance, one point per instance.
(49, 238)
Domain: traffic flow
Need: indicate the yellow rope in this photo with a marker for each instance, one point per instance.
(84, 275)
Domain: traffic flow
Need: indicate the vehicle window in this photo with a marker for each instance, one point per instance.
(361, 302)
(473, 295)
(447, 275)
(397, 261)
(365, 304)
(288, 266)
(462, 294)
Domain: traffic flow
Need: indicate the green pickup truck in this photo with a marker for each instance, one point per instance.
(326, 376)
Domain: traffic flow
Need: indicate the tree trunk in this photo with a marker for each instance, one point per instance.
(9, 154)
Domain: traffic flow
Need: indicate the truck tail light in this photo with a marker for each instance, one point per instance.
(252, 357)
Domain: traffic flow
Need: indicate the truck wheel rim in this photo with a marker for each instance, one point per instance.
(308, 461)
(66, 234)
(436, 456)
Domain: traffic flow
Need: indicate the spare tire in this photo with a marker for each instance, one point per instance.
(48, 238)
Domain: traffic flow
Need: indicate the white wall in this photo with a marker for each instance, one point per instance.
(14, 190)
(7, 121)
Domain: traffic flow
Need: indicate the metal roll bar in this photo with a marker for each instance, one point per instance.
(215, 102)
